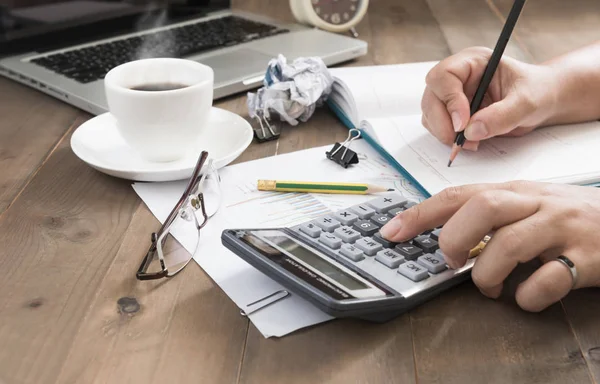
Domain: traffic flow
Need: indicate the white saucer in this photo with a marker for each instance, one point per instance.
(98, 143)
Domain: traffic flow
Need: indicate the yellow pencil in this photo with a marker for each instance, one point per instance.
(319, 187)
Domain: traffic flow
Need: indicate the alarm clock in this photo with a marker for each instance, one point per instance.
(330, 15)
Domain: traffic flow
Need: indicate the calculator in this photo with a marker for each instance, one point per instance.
(341, 263)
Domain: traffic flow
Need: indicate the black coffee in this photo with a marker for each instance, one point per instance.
(159, 87)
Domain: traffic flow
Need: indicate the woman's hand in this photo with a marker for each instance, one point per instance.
(528, 220)
(520, 97)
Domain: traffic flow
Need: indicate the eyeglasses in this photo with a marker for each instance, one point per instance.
(177, 241)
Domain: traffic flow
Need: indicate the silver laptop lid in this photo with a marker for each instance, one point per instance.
(52, 24)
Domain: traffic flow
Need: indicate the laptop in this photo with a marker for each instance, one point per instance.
(65, 48)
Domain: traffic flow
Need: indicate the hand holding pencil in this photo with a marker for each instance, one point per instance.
(461, 102)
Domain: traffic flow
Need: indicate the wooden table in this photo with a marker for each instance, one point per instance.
(71, 239)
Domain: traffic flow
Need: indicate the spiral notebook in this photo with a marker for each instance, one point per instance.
(384, 103)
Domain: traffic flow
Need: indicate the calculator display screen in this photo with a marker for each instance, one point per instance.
(317, 262)
(308, 265)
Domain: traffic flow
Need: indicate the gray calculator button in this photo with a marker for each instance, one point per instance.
(346, 217)
(347, 234)
(385, 203)
(351, 252)
(413, 271)
(365, 228)
(433, 263)
(409, 251)
(410, 204)
(368, 246)
(330, 240)
(435, 235)
(426, 243)
(395, 211)
(386, 243)
(310, 229)
(380, 219)
(327, 223)
(389, 258)
(363, 211)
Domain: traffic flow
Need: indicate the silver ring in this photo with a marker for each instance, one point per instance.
(569, 264)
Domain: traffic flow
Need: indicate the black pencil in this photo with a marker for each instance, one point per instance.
(490, 69)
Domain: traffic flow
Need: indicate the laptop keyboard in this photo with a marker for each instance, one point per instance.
(93, 62)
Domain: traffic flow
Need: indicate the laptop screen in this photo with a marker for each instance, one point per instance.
(49, 24)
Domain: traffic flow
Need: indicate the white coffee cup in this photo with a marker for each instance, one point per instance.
(162, 125)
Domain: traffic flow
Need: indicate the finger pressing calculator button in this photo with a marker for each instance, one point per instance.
(395, 211)
(385, 203)
(330, 240)
(368, 246)
(413, 271)
(363, 211)
(435, 235)
(365, 228)
(390, 258)
(409, 251)
(426, 243)
(433, 263)
(327, 223)
(388, 244)
(346, 217)
(310, 229)
(380, 219)
(347, 234)
(351, 252)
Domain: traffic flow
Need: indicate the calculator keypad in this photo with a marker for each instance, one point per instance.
(426, 243)
(395, 211)
(330, 240)
(389, 258)
(386, 243)
(347, 234)
(385, 203)
(327, 223)
(310, 229)
(413, 271)
(366, 228)
(368, 246)
(345, 217)
(380, 219)
(351, 252)
(409, 251)
(433, 263)
(363, 211)
(353, 235)
(435, 234)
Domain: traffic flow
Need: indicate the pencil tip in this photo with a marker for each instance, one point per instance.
(455, 150)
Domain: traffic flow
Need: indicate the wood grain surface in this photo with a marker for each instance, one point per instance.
(72, 238)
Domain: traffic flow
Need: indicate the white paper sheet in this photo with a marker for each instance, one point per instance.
(380, 90)
(560, 154)
(245, 207)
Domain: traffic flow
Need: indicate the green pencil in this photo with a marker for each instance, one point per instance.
(319, 187)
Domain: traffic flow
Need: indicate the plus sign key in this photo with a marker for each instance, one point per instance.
(385, 203)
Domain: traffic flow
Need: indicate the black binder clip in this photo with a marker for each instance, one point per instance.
(263, 134)
(347, 156)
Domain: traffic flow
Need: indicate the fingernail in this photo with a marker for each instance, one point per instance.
(456, 121)
(476, 131)
(471, 145)
(390, 229)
